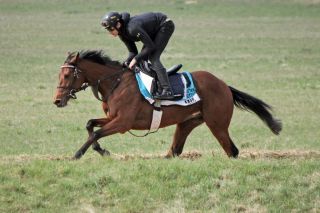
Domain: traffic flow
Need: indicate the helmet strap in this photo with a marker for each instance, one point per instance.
(118, 25)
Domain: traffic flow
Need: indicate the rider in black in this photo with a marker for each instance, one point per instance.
(154, 31)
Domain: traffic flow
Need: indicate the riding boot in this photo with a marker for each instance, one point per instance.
(165, 92)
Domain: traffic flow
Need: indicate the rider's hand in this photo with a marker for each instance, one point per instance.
(132, 63)
(125, 64)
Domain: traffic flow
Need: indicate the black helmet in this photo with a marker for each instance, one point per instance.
(110, 20)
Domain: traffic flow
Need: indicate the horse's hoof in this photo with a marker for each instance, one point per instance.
(77, 156)
(105, 153)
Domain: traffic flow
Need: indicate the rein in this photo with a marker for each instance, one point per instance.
(94, 87)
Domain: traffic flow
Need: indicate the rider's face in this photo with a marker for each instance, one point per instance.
(114, 32)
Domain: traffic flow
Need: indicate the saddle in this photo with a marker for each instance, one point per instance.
(146, 68)
(174, 78)
(182, 85)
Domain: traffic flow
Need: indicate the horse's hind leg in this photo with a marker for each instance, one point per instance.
(217, 113)
(182, 131)
(218, 123)
(225, 141)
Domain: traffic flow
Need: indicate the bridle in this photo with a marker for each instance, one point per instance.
(72, 91)
(95, 86)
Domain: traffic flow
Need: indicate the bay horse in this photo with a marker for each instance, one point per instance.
(126, 109)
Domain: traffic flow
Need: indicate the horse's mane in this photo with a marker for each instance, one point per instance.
(96, 56)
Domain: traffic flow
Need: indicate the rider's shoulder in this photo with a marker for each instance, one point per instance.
(133, 26)
(125, 16)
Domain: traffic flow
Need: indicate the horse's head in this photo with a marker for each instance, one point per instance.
(71, 80)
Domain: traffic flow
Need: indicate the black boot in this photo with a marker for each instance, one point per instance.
(165, 94)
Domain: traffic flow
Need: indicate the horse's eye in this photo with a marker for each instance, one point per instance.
(66, 76)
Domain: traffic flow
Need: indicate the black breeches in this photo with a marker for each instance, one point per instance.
(161, 40)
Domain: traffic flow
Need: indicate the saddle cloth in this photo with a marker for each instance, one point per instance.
(181, 83)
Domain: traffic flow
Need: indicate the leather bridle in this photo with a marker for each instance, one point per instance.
(95, 87)
(72, 91)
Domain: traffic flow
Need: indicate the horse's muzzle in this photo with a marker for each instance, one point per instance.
(59, 103)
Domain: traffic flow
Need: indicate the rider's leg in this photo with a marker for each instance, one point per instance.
(161, 41)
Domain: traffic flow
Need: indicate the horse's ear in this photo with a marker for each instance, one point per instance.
(77, 57)
(74, 60)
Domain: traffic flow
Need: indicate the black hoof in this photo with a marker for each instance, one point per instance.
(77, 156)
(104, 153)
(235, 151)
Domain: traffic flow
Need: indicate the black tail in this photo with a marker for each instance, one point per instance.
(249, 103)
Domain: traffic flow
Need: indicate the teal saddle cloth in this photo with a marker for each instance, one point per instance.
(181, 83)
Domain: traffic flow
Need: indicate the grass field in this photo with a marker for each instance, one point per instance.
(270, 49)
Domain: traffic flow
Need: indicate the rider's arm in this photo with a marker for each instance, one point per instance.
(132, 48)
(149, 45)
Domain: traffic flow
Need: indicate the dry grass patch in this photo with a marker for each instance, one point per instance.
(189, 155)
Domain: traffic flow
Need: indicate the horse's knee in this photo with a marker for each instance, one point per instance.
(90, 124)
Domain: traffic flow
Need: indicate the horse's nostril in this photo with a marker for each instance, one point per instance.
(57, 102)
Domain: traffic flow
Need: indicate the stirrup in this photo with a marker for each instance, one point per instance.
(164, 97)
(165, 94)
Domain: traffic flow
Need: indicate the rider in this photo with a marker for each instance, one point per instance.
(154, 31)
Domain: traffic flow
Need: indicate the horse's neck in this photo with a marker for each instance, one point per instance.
(95, 72)
(104, 78)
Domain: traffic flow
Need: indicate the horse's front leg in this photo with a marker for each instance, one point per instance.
(90, 127)
(112, 127)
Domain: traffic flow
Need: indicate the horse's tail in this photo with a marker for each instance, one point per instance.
(249, 103)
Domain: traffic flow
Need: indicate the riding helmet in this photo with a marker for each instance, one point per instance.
(110, 20)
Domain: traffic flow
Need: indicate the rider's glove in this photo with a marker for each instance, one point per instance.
(125, 64)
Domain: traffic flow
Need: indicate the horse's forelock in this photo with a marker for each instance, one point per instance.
(70, 55)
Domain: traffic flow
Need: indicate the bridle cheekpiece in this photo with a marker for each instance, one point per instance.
(72, 91)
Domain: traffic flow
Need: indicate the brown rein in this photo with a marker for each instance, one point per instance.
(94, 87)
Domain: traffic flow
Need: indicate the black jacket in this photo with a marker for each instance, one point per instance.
(142, 28)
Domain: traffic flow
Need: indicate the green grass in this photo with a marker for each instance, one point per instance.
(210, 183)
(270, 49)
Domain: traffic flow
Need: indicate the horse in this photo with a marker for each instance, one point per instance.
(126, 109)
